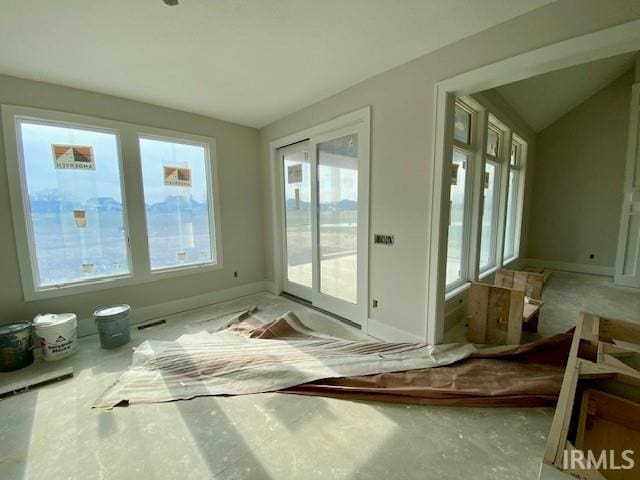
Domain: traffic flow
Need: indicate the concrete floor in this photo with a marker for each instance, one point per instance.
(52, 432)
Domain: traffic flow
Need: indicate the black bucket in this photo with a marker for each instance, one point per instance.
(16, 349)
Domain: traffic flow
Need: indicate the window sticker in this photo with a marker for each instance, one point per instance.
(294, 173)
(80, 218)
(454, 173)
(73, 157)
(177, 176)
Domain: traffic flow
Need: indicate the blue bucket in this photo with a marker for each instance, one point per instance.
(16, 348)
(113, 325)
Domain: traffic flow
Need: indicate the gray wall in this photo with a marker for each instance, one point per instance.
(579, 175)
(240, 193)
(402, 103)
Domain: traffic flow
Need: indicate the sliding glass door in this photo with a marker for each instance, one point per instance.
(326, 221)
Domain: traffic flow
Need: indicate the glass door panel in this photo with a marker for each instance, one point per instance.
(338, 217)
(298, 217)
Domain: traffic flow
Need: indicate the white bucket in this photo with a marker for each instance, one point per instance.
(57, 332)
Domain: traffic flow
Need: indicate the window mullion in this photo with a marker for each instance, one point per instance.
(503, 195)
(476, 197)
(137, 233)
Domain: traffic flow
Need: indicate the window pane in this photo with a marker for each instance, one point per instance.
(493, 142)
(297, 186)
(177, 203)
(512, 212)
(74, 196)
(515, 151)
(456, 217)
(489, 224)
(338, 217)
(462, 126)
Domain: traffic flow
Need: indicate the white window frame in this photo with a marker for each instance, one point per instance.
(495, 254)
(214, 241)
(520, 167)
(134, 219)
(469, 150)
(484, 119)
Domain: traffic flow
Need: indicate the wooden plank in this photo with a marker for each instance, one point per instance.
(612, 361)
(529, 282)
(611, 423)
(620, 330)
(595, 332)
(477, 308)
(492, 315)
(24, 385)
(619, 419)
(498, 309)
(516, 307)
(562, 415)
(530, 309)
(504, 278)
(582, 419)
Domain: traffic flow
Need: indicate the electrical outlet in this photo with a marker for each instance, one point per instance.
(235, 274)
(375, 303)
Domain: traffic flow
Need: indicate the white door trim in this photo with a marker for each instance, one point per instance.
(608, 42)
(360, 121)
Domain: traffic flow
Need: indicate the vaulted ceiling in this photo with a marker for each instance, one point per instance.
(543, 99)
(247, 61)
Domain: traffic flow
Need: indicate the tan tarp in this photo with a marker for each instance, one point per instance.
(282, 354)
(527, 375)
(250, 357)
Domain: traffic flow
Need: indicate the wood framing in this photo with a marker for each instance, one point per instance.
(495, 315)
(598, 407)
(530, 282)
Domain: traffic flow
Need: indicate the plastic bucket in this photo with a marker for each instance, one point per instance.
(113, 325)
(57, 333)
(16, 349)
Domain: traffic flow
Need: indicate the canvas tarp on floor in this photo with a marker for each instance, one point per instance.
(285, 355)
(288, 355)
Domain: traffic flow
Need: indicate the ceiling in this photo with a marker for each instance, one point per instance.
(246, 61)
(543, 99)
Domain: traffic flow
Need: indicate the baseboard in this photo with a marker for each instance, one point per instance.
(570, 267)
(388, 333)
(144, 314)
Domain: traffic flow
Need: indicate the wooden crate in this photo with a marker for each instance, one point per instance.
(529, 282)
(495, 314)
(599, 403)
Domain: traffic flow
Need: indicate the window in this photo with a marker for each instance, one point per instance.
(512, 222)
(462, 125)
(176, 201)
(75, 212)
(463, 140)
(489, 223)
(490, 198)
(493, 142)
(75, 229)
(486, 185)
(455, 246)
